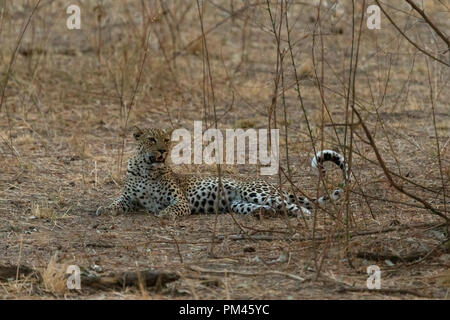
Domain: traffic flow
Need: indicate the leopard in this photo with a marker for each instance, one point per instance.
(152, 185)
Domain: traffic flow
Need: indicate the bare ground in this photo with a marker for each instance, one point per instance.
(65, 138)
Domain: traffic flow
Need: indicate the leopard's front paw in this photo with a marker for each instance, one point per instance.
(102, 210)
(168, 213)
(160, 214)
(165, 214)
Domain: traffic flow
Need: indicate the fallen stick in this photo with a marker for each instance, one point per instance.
(8, 272)
(238, 237)
(383, 291)
(149, 278)
(392, 257)
(246, 274)
(344, 287)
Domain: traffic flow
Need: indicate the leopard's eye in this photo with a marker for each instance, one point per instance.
(166, 140)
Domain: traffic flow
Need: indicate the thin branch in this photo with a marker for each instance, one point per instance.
(388, 175)
(429, 22)
(409, 40)
(14, 55)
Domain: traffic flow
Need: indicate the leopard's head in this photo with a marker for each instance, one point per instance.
(153, 144)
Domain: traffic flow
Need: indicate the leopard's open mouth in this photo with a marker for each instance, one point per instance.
(155, 159)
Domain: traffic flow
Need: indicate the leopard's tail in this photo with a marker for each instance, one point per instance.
(317, 163)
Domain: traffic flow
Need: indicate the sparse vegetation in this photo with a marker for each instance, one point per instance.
(54, 277)
(71, 97)
(43, 211)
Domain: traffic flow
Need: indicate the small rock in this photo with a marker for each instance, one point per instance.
(284, 257)
(256, 259)
(437, 234)
(389, 263)
(96, 268)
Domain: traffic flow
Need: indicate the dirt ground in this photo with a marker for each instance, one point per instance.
(73, 96)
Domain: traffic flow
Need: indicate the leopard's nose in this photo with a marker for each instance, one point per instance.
(162, 151)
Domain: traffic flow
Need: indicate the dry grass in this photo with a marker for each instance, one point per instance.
(73, 95)
(54, 277)
(43, 211)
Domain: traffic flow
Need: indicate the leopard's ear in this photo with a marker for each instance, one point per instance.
(137, 132)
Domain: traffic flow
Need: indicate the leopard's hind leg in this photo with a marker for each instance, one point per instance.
(244, 207)
(274, 201)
